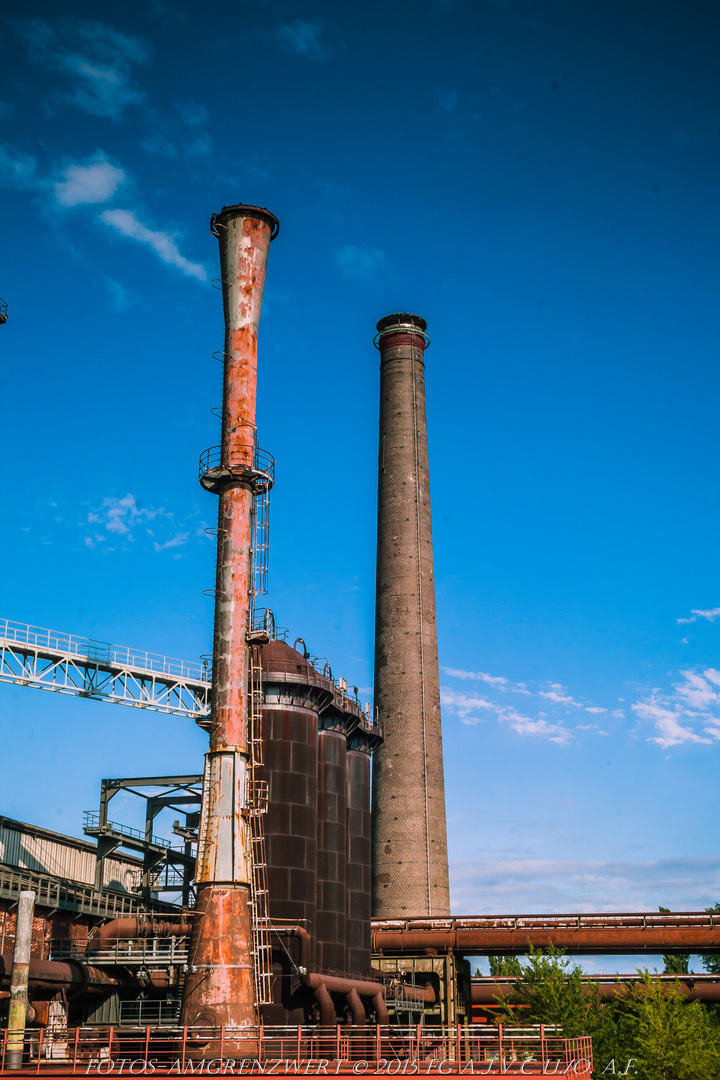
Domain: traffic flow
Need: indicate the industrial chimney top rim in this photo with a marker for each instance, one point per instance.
(244, 210)
(401, 319)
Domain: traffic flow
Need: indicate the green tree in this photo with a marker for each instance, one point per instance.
(711, 961)
(679, 963)
(505, 965)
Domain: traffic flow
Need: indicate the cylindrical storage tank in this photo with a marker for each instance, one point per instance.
(358, 854)
(332, 843)
(292, 695)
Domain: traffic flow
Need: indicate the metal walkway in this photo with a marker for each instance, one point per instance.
(50, 660)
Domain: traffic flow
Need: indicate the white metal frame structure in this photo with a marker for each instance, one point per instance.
(67, 664)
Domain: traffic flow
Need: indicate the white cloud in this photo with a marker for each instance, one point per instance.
(361, 262)
(711, 615)
(559, 695)
(121, 515)
(687, 713)
(466, 706)
(163, 244)
(302, 37)
(93, 181)
(95, 56)
(594, 709)
(479, 676)
(177, 541)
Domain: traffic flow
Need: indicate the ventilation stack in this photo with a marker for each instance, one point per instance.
(410, 867)
(220, 988)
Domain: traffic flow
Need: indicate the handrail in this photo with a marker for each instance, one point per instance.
(102, 653)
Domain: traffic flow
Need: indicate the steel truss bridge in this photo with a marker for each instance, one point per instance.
(67, 664)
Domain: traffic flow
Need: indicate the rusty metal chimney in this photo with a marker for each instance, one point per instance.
(410, 864)
(220, 987)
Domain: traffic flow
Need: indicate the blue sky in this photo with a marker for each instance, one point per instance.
(539, 181)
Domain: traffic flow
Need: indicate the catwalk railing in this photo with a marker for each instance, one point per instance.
(485, 1051)
(67, 664)
(55, 893)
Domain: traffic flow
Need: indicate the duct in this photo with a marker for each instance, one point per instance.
(480, 941)
(336, 984)
(409, 845)
(50, 976)
(220, 987)
(325, 1006)
(488, 993)
(122, 929)
(424, 996)
(356, 1009)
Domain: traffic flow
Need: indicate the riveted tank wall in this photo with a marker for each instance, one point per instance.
(332, 844)
(358, 856)
(290, 737)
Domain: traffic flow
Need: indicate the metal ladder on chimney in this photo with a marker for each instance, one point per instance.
(257, 803)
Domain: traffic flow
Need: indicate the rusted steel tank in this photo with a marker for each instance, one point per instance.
(332, 841)
(359, 748)
(293, 693)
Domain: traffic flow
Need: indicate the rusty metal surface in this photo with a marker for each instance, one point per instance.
(676, 932)
(410, 867)
(219, 983)
(332, 850)
(220, 989)
(487, 990)
(358, 861)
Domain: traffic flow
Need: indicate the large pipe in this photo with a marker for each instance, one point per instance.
(335, 984)
(488, 992)
(484, 942)
(220, 987)
(410, 862)
(50, 976)
(19, 981)
(123, 929)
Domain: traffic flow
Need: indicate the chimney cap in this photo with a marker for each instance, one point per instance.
(244, 210)
(402, 318)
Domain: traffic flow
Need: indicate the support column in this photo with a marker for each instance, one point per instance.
(19, 981)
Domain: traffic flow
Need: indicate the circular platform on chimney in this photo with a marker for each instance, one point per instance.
(401, 319)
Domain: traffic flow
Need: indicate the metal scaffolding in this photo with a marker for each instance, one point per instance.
(52, 660)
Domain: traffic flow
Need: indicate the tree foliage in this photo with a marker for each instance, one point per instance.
(710, 961)
(648, 1031)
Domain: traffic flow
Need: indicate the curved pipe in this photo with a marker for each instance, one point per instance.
(325, 1005)
(356, 1009)
(122, 929)
(336, 984)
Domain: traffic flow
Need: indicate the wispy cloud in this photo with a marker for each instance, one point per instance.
(560, 696)
(688, 713)
(711, 615)
(126, 223)
(361, 262)
(120, 295)
(120, 516)
(302, 37)
(471, 709)
(448, 100)
(17, 169)
(547, 885)
(93, 181)
(180, 132)
(498, 681)
(97, 58)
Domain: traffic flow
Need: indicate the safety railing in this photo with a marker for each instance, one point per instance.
(84, 899)
(250, 461)
(92, 824)
(102, 652)
(610, 921)
(136, 952)
(341, 1050)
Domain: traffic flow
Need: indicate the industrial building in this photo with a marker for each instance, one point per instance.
(298, 896)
